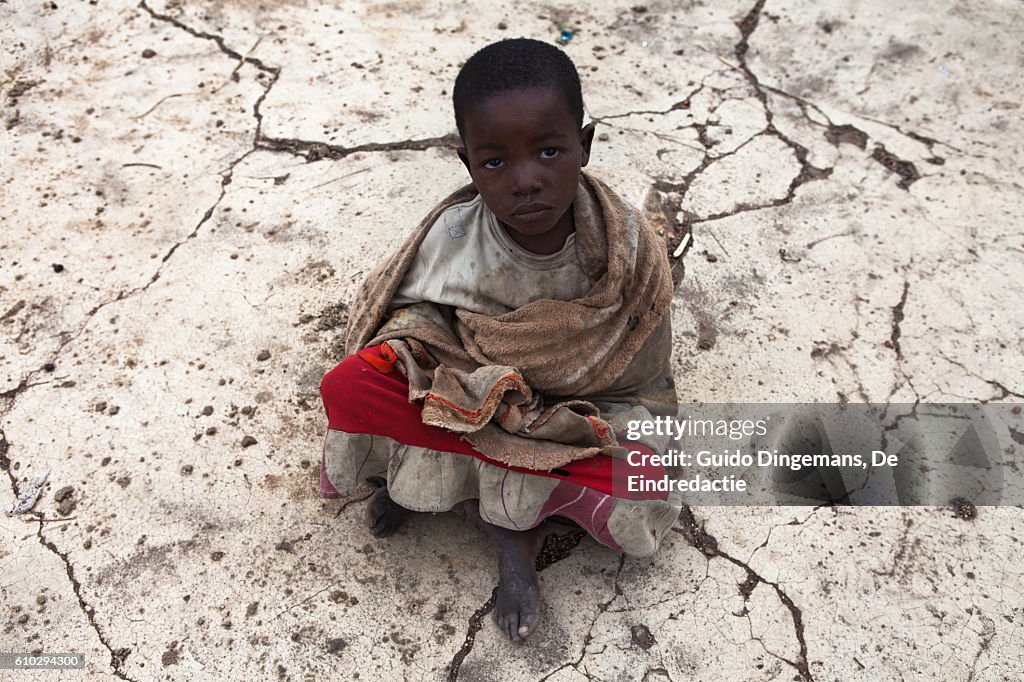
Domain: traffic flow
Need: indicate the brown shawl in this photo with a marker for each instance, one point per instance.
(479, 374)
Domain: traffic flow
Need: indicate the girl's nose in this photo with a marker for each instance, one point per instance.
(526, 181)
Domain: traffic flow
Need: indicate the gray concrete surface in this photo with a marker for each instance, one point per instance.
(212, 178)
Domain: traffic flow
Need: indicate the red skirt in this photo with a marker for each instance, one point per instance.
(373, 429)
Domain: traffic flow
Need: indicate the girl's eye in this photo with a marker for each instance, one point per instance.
(492, 163)
(549, 153)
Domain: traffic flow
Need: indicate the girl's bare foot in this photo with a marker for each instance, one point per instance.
(383, 515)
(517, 607)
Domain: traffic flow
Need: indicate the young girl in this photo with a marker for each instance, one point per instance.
(495, 356)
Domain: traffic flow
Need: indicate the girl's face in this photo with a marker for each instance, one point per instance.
(524, 153)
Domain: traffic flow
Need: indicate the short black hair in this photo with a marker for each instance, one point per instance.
(515, 64)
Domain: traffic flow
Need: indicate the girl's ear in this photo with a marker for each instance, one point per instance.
(461, 151)
(586, 139)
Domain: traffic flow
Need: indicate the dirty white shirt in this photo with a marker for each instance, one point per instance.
(469, 262)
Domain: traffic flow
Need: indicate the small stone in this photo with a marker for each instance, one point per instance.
(263, 355)
(170, 657)
(57, 267)
(502, 26)
(211, 431)
(49, 367)
(66, 506)
(101, 406)
(964, 509)
(66, 500)
(113, 409)
(641, 636)
(603, 137)
(247, 441)
(208, 410)
(217, 556)
(148, 53)
(187, 470)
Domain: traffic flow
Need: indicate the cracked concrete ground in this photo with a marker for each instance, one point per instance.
(191, 187)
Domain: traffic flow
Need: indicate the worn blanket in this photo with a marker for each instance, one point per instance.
(551, 381)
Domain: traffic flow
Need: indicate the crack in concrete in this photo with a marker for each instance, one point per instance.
(226, 176)
(216, 39)
(475, 623)
(5, 461)
(274, 74)
(905, 169)
(9, 397)
(588, 638)
(117, 656)
(555, 548)
(315, 151)
(901, 552)
(988, 634)
(1004, 391)
(678, 106)
(835, 134)
(747, 26)
(929, 142)
(897, 319)
(898, 313)
(884, 444)
(308, 149)
(704, 542)
(807, 173)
